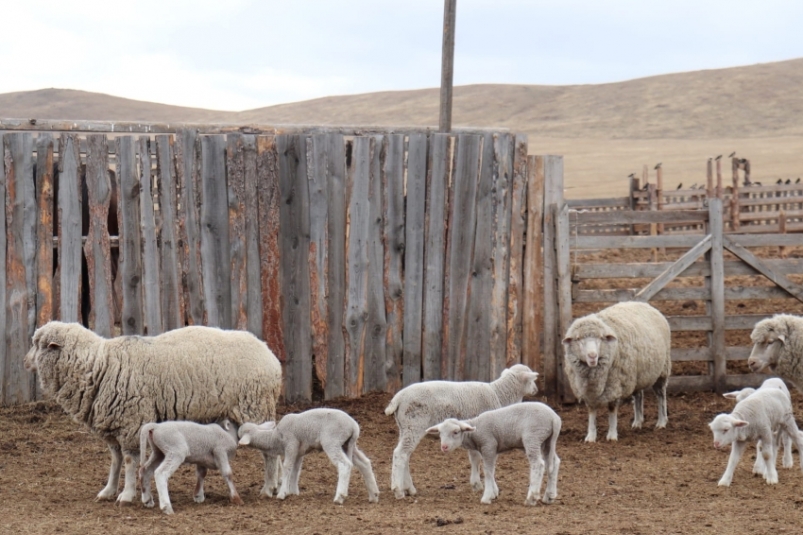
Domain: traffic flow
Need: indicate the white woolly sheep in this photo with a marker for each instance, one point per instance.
(778, 348)
(116, 385)
(533, 427)
(329, 430)
(421, 405)
(175, 443)
(615, 354)
(756, 418)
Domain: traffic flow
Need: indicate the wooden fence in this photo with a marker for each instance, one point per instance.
(367, 259)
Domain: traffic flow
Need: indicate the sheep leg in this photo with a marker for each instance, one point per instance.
(344, 466)
(770, 453)
(759, 467)
(272, 475)
(222, 461)
(790, 426)
(638, 409)
(401, 481)
(553, 465)
(475, 459)
(130, 489)
(660, 394)
(537, 465)
(146, 473)
(288, 472)
(613, 409)
(363, 464)
(200, 472)
(737, 449)
(591, 436)
(110, 489)
(296, 475)
(491, 490)
(161, 475)
(788, 461)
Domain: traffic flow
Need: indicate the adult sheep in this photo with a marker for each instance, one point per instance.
(116, 385)
(615, 354)
(778, 348)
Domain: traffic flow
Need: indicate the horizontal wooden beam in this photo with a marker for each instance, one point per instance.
(795, 290)
(698, 354)
(623, 217)
(703, 323)
(732, 293)
(633, 242)
(698, 269)
(612, 202)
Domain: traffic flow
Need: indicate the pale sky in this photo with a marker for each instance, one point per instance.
(244, 54)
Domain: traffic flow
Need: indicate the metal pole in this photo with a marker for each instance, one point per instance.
(447, 65)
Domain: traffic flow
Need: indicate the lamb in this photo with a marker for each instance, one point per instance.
(756, 418)
(615, 354)
(778, 348)
(176, 443)
(329, 430)
(116, 385)
(533, 427)
(421, 405)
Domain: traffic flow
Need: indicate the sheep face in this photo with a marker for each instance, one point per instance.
(768, 338)
(726, 429)
(590, 350)
(264, 436)
(451, 432)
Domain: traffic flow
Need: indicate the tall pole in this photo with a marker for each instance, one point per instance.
(447, 65)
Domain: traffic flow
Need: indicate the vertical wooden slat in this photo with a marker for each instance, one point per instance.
(20, 281)
(5, 164)
(735, 209)
(336, 270)
(395, 237)
(552, 194)
(564, 272)
(359, 188)
(270, 253)
(437, 192)
(130, 239)
(480, 285)
(717, 294)
(188, 179)
(69, 210)
(150, 252)
(294, 243)
(518, 222)
(172, 302)
(535, 274)
(97, 248)
(44, 230)
(319, 252)
(253, 285)
(460, 252)
(501, 257)
(235, 173)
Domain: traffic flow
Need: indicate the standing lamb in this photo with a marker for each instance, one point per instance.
(116, 385)
(533, 427)
(615, 354)
(329, 430)
(175, 443)
(421, 405)
(778, 348)
(756, 418)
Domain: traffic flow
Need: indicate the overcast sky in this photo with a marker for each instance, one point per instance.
(243, 54)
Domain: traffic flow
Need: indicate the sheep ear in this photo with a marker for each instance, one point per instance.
(467, 427)
(731, 395)
(54, 345)
(782, 338)
(610, 338)
(434, 430)
(739, 423)
(567, 340)
(267, 426)
(533, 375)
(245, 440)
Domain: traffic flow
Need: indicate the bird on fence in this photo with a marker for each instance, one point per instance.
(780, 181)
(646, 187)
(694, 186)
(657, 165)
(755, 183)
(742, 161)
(788, 181)
(718, 157)
(680, 186)
(797, 181)
(747, 182)
(732, 154)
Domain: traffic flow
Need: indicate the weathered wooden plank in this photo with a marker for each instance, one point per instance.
(20, 281)
(767, 240)
(395, 238)
(294, 268)
(704, 354)
(613, 202)
(151, 278)
(374, 374)
(553, 348)
(130, 239)
(336, 271)
(704, 323)
(44, 232)
(253, 280)
(69, 231)
(437, 192)
(97, 248)
(270, 253)
(634, 242)
(535, 272)
(235, 177)
(795, 290)
(717, 292)
(732, 293)
(172, 303)
(188, 179)
(215, 244)
(480, 285)
(740, 381)
(518, 222)
(462, 222)
(690, 383)
(501, 202)
(698, 269)
(564, 273)
(5, 164)
(680, 265)
(623, 217)
(319, 252)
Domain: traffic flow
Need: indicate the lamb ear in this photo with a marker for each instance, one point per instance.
(267, 426)
(434, 430)
(739, 423)
(245, 440)
(731, 395)
(467, 427)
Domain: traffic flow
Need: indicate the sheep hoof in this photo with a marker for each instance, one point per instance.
(398, 493)
(486, 500)
(724, 483)
(477, 486)
(236, 500)
(547, 499)
(199, 499)
(531, 500)
(167, 510)
(339, 499)
(373, 498)
(149, 503)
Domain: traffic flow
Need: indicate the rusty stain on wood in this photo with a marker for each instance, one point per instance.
(44, 231)
(317, 158)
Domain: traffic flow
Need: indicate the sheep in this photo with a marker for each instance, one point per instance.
(421, 405)
(615, 354)
(756, 418)
(329, 430)
(175, 443)
(116, 385)
(778, 348)
(533, 427)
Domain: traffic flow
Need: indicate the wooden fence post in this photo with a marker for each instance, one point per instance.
(69, 227)
(735, 208)
(717, 287)
(44, 256)
(535, 304)
(553, 338)
(130, 240)
(151, 276)
(563, 256)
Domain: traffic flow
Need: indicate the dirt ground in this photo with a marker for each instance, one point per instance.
(651, 481)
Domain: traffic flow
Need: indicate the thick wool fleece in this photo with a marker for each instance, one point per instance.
(789, 361)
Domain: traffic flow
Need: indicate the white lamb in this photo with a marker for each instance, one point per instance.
(533, 427)
(176, 443)
(617, 353)
(756, 418)
(421, 405)
(329, 430)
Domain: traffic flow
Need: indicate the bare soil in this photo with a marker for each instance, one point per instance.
(650, 481)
